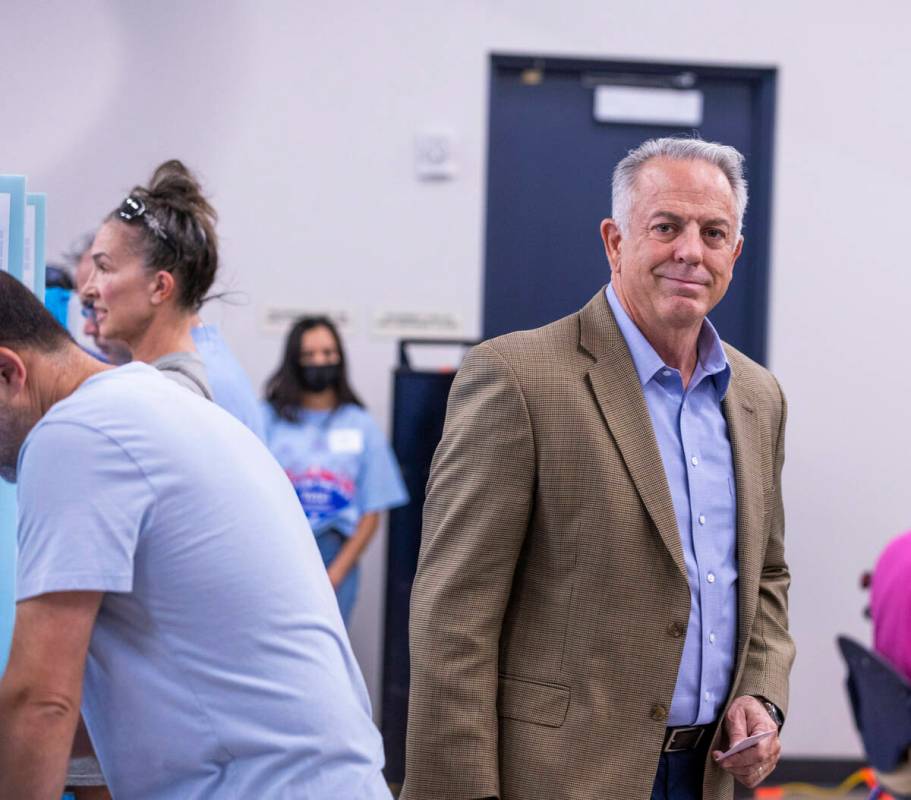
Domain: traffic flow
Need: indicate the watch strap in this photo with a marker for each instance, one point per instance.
(773, 711)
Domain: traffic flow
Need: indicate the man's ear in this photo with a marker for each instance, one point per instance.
(12, 373)
(612, 238)
(163, 287)
(738, 249)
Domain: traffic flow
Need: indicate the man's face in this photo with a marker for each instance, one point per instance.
(83, 273)
(16, 420)
(13, 430)
(675, 262)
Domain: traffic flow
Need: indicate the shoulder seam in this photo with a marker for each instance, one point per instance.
(515, 378)
(112, 440)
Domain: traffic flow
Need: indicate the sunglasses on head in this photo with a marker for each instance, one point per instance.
(133, 208)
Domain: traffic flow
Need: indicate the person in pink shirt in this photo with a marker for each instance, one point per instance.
(890, 607)
(890, 604)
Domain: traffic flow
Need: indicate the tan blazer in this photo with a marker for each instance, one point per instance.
(551, 599)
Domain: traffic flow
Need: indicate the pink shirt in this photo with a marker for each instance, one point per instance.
(891, 604)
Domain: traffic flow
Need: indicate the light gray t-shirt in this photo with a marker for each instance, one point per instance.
(219, 666)
(187, 370)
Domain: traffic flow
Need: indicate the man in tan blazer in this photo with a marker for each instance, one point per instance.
(600, 606)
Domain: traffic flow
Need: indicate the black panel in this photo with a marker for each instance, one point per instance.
(419, 410)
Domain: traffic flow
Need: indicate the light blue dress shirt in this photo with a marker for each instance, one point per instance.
(695, 448)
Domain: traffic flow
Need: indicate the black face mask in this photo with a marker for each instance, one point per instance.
(318, 379)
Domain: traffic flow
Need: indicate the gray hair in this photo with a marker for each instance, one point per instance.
(77, 250)
(728, 159)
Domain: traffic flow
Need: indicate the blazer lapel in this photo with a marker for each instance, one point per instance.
(619, 396)
(743, 428)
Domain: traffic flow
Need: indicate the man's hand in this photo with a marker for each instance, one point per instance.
(346, 558)
(335, 576)
(41, 690)
(746, 717)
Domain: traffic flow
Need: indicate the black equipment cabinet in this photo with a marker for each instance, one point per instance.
(418, 414)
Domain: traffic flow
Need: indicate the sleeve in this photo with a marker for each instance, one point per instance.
(476, 517)
(379, 485)
(82, 503)
(770, 652)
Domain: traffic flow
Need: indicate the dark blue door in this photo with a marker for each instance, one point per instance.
(549, 184)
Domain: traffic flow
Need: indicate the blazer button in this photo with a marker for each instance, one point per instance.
(675, 629)
(659, 712)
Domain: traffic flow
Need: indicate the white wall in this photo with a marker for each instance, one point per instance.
(300, 116)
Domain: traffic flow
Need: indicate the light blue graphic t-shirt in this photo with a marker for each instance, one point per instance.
(339, 463)
(231, 388)
(218, 666)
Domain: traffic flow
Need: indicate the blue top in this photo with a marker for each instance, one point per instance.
(339, 463)
(218, 667)
(692, 436)
(231, 388)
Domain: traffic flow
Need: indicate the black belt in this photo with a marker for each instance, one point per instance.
(688, 737)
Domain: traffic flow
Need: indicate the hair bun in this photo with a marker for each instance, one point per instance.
(189, 246)
(174, 185)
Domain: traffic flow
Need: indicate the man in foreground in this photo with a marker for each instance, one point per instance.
(167, 579)
(600, 603)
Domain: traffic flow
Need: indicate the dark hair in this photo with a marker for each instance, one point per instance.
(283, 389)
(57, 277)
(176, 233)
(25, 322)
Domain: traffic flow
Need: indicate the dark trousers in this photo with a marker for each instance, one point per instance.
(679, 775)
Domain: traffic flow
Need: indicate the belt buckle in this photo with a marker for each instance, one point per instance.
(688, 742)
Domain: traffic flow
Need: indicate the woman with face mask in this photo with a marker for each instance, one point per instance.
(341, 466)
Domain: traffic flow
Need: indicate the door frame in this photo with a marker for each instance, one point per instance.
(764, 79)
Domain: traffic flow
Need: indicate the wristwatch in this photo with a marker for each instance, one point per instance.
(774, 711)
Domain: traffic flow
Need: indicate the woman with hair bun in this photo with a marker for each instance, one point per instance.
(155, 260)
(338, 460)
(155, 257)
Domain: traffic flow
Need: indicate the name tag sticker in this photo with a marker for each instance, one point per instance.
(346, 440)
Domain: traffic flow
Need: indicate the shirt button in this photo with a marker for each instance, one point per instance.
(659, 712)
(708, 695)
(710, 577)
(694, 461)
(702, 519)
(666, 373)
(711, 638)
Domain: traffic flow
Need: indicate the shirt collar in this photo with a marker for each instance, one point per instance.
(712, 360)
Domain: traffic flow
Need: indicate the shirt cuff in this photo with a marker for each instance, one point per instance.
(72, 582)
